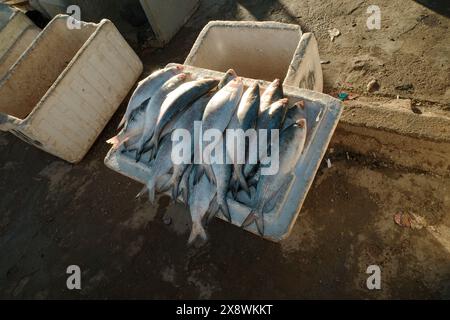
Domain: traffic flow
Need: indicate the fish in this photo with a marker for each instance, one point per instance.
(186, 121)
(229, 75)
(272, 93)
(199, 201)
(244, 119)
(217, 115)
(222, 176)
(292, 141)
(272, 118)
(152, 111)
(176, 102)
(146, 88)
(132, 129)
(159, 166)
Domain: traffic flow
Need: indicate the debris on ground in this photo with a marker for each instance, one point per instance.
(405, 87)
(403, 219)
(334, 33)
(342, 96)
(373, 86)
(324, 61)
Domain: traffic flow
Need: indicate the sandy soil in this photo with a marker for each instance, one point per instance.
(53, 214)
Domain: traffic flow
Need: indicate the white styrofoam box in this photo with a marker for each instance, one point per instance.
(259, 50)
(322, 113)
(17, 32)
(63, 90)
(166, 17)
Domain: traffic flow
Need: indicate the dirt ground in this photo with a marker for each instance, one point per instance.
(54, 214)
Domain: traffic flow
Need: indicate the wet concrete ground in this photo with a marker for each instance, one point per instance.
(54, 214)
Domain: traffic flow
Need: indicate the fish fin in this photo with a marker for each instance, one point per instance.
(151, 195)
(249, 219)
(165, 186)
(242, 181)
(260, 224)
(212, 211)
(225, 210)
(175, 190)
(197, 231)
(199, 170)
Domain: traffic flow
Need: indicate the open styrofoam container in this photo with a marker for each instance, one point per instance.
(62, 91)
(322, 114)
(17, 32)
(260, 50)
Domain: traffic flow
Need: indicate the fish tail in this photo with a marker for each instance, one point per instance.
(209, 173)
(175, 190)
(212, 211)
(199, 170)
(241, 180)
(151, 191)
(197, 231)
(223, 206)
(166, 185)
(255, 216)
(249, 219)
(185, 194)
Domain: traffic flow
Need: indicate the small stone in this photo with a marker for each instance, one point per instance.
(324, 61)
(373, 86)
(334, 33)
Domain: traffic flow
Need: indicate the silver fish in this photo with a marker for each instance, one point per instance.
(199, 200)
(272, 93)
(244, 119)
(176, 102)
(218, 114)
(271, 118)
(229, 75)
(160, 166)
(147, 88)
(132, 129)
(152, 112)
(222, 176)
(292, 142)
(186, 121)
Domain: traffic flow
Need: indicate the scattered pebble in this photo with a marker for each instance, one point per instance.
(334, 33)
(328, 163)
(324, 61)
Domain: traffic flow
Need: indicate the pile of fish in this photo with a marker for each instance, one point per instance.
(172, 99)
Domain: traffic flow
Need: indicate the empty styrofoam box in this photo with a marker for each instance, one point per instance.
(17, 32)
(63, 90)
(322, 113)
(259, 50)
